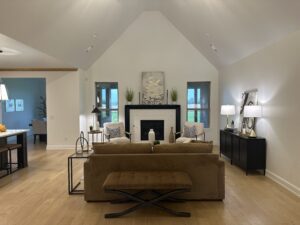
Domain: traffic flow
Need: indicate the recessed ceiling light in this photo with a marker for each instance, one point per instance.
(8, 51)
(89, 48)
(213, 47)
(94, 35)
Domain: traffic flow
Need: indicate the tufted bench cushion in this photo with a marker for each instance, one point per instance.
(153, 180)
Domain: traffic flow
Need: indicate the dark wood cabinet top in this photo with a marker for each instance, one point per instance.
(236, 133)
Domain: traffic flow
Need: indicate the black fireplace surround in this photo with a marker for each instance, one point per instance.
(154, 107)
(156, 125)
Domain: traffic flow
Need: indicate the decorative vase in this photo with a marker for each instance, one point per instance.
(129, 103)
(174, 102)
(151, 136)
(133, 134)
(171, 136)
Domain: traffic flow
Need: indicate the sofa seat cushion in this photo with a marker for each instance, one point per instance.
(148, 180)
(184, 148)
(131, 148)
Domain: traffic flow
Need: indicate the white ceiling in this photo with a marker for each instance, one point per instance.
(237, 28)
(64, 29)
(28, 57)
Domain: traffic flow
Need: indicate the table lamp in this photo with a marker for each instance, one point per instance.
(96, 111)
(227, 110)
(3, 92)
(252, 111)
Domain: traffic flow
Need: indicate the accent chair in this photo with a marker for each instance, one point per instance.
(39, 128)
(114, 132)
(191, 131)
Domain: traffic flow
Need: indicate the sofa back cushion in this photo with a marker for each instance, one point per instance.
(122, 148)
(184, 148)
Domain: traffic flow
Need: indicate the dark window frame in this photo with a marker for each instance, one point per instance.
(195, 85)
(108, 109)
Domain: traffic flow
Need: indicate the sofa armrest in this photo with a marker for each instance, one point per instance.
(201, 135)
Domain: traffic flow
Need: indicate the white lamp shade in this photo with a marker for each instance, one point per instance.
(227, 110)
(3, 92)
(253, 111)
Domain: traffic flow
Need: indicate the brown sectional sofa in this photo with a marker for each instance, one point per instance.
(204, 168)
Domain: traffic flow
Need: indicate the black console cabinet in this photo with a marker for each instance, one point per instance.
(247, 153)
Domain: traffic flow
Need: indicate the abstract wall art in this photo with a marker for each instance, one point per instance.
(153, 88)
(248, 98)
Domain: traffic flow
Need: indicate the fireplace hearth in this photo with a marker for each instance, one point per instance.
(156, 125)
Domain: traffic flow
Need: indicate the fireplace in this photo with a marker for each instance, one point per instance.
(134, 114)
(156, 125)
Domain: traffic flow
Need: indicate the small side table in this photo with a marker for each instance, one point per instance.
(96, 132)
(73, 189)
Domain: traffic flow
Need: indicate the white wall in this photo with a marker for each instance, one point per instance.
(275, 72)
(63, 106)
(152, 43)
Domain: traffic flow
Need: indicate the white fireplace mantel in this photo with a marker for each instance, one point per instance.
(170, 114)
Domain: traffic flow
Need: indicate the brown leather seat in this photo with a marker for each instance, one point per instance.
(156, 180)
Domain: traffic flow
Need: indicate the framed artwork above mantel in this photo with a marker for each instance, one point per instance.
(153, 88)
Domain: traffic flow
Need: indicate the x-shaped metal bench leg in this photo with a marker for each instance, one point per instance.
(144, 203)
(170, 198)
(126, 199)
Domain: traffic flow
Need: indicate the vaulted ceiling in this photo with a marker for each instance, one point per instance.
(77, 32)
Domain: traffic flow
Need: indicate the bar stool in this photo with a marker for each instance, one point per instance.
(4, 149)
(12, 147)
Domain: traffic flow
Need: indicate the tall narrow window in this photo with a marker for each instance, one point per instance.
(198, 102)
(107, 100)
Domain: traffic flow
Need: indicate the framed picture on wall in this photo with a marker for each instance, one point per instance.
(248, 98)
(10, 105)
(19, 105)
(153, 87)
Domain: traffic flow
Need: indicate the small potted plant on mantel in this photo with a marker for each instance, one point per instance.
(129, 96)
(174, 96)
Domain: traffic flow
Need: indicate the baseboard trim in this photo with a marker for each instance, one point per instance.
(60, 147)
(284, 183)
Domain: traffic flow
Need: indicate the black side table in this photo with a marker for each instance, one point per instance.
(73, 188)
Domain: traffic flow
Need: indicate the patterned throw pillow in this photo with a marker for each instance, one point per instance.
(189, 132)
(113, 132)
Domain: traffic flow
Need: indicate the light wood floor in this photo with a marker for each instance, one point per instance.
(38, 195)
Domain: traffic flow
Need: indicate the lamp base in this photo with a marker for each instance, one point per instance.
(227, 126)
(252, 134)
(232, 130)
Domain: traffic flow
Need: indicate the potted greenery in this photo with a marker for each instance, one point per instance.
(129, 96)
(42, 108)
(174, 96)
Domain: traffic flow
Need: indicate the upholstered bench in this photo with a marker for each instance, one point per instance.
(133, 184)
